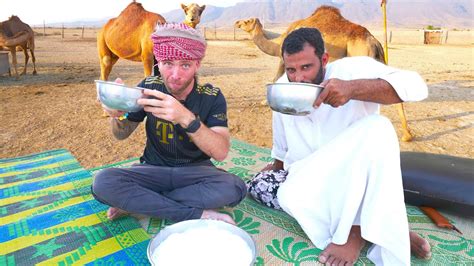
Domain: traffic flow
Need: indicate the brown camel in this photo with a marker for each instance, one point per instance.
(15, 33)
(128, 36)
(193, 14)
(342, 38)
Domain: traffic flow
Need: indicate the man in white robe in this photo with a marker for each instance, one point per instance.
(342, 161)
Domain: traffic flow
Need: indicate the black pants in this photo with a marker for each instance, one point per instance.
(174, 193)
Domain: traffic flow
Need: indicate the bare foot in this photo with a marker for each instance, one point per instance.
(114, 213)
(419, 246)
(213, 215)
(346, 254)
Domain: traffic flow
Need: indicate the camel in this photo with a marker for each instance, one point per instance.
(341, 37)
(128, 36)
(193, 14)
(15, 33)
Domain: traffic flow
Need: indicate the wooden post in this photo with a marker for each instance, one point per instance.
(234, 33)
(390, 39)
(82, 34)
(215, 31)
(384, 11)
(446, 40)
(62, 31)
(44, 27)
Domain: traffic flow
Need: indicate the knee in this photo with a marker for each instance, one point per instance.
(240, 191)
(103, 183)
(284, 196)
(229, 192)
(380, 121)
(107, 60)
(380, 129)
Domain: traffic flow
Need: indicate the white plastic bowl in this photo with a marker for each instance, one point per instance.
(118, 96)
(292, 98)
(182, 227)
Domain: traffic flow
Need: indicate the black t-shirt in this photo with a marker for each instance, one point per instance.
(168, 144)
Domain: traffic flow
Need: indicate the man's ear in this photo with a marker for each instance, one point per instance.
(324, 59)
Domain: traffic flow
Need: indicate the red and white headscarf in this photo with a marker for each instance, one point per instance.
(177, 41)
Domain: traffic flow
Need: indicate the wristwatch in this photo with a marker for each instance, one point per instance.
(193, 126)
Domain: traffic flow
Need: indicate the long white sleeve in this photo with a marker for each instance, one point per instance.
(409, 85)
(279, 147)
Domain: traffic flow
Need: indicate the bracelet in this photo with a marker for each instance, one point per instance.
(123, 117)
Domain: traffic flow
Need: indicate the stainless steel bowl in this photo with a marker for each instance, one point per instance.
(292, 98)
(118, 96)
(194, 224)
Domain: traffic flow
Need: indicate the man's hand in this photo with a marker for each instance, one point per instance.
(275, 166)
(336, 93)
(166, 107)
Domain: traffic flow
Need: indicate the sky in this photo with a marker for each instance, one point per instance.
(33, 12)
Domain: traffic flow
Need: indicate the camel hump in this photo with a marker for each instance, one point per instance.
(326, 11)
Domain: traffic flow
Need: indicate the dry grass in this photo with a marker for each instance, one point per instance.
(58, 108)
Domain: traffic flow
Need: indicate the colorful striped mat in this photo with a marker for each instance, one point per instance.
(49, 217)
(281, 241)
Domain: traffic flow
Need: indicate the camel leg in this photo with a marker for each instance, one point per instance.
(106, 64)
(33, 58)
(27, 57)
(107, 58)
(14, 62)
(147, 60)
(407, 136)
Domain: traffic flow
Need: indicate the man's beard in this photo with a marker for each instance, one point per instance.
(176, 91)
(319, 77)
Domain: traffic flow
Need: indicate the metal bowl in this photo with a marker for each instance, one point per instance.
(292, 98)
(194, 224)
(118, 96)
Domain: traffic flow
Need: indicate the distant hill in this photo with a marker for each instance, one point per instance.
(400, 13)
(407, 14)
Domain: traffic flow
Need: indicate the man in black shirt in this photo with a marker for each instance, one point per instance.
(186, 125)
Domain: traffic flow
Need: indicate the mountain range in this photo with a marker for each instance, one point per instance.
(448, 14)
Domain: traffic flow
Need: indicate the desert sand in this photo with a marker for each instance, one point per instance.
(57, 109)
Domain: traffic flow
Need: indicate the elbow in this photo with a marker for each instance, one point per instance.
(220, 156)
(120, 136)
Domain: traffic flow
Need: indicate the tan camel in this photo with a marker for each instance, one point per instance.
(193, 14)
(128, 36)
(15, 33)
(342, 38)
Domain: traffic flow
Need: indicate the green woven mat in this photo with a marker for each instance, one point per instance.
(281, 241)
(49, 217)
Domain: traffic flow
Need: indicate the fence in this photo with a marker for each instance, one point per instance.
(397, 36)
(66, 32)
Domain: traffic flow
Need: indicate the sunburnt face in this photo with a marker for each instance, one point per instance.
(178, 75)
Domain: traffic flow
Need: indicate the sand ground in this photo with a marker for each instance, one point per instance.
(58, 107)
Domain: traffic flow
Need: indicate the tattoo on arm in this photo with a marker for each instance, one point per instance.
(123, 129)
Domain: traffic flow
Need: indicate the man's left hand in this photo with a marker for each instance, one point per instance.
(336, 93)
(165, 106)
